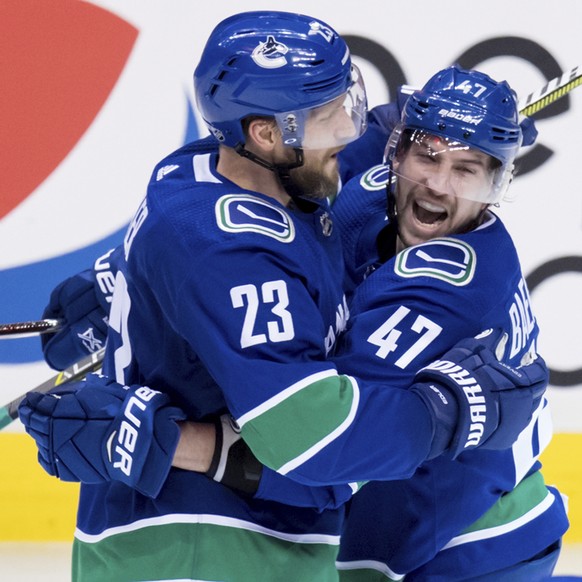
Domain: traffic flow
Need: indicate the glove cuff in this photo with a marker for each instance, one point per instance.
(471, 424)
(233, 463)
(219, 437)
(159, 458)
(444, 410)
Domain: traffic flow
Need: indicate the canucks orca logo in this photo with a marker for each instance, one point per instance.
(270, 54)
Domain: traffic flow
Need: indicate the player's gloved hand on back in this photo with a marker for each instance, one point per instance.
(476, 400)
(82, 302)
(529, 131)
(98, 430)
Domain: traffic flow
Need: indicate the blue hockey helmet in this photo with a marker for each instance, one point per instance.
(469, 109)
(280, 65)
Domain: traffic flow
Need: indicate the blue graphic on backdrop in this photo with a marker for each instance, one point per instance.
(25, 290)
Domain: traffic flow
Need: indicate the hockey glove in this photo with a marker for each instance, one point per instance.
(98, 430)
(476, 400)
(82, 302)
(234, 464)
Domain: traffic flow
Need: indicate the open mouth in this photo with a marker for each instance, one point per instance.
(428, 212)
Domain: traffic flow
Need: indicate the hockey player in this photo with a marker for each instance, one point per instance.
(259, 322)
(485, 515)
(449, 269)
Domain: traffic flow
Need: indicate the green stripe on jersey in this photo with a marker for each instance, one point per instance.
(201, 551)
(293, 426)
(527, 495)
(511, 511)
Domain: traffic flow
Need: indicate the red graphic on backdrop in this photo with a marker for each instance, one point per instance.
(59, 61)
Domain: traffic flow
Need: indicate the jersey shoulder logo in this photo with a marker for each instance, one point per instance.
(375, 178)
(247, 213)
(448, 259)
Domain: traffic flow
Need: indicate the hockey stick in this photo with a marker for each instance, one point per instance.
(24, 328)
(77, 371)
(550, 92)
(540, 99)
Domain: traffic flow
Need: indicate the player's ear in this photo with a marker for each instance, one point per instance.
(264, 133)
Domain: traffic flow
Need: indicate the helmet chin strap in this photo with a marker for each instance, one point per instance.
(386, 240)
(391, 210)
(282, 171)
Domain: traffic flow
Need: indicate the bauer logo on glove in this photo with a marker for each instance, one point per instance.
(128, 433)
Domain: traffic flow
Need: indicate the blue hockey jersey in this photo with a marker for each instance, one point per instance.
(485, 510)
(225, 287)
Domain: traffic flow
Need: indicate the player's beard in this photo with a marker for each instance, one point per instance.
(316, 178)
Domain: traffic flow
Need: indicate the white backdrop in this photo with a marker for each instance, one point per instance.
(93, 191)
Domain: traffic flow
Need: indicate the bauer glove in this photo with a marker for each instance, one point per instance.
(82, 302)
(476, 400)
(98, 430)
